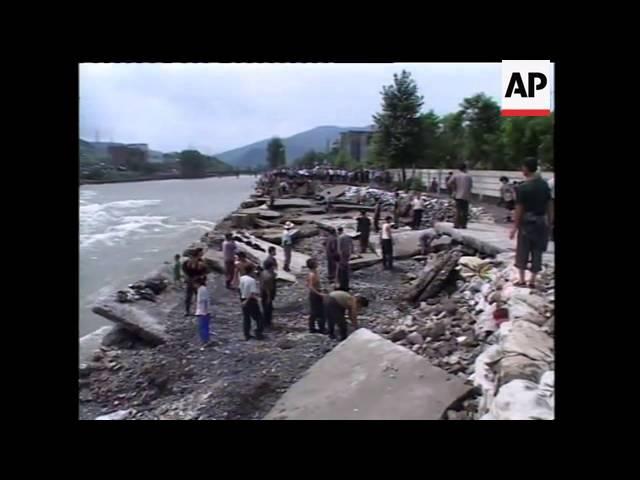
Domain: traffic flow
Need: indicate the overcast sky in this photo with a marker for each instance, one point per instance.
(217, 107)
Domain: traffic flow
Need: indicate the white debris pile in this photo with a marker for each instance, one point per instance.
(515, 373)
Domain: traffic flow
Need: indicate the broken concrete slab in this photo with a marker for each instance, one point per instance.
(334, 191)
(143, 318)
(92, 342)
(260, 212)
(487, 238)
(406, 242)
(292, 203)
(347, 207)
(367, 377)
(298, 260)
(365, 260)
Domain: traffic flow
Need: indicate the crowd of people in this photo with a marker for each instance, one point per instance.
(529, 205)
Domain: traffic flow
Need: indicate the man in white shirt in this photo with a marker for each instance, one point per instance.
(287, 245)
(202, 310)
(418, 208)
(386, 242)
(249, 294)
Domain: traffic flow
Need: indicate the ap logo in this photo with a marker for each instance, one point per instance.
(526, 88)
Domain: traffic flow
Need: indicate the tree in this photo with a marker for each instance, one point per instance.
(431, 128)
(276, 154)
(398, 140)
(310, 159)
(481, 120)
(192, 164)
(451, 140)
(344, 160)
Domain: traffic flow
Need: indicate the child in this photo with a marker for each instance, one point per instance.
(202, 310)
(316, 316)
(177, 270)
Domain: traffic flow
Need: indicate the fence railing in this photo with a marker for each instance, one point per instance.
(486, 183)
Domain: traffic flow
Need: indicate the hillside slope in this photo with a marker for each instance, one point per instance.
(297, 145)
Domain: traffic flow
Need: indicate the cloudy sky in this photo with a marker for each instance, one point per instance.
(217, 107)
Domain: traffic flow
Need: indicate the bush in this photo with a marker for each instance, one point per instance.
(413, 183)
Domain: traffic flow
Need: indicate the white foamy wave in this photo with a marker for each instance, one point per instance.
(108, 224)
(203, 223)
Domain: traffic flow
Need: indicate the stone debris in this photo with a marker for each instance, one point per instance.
(456, 306)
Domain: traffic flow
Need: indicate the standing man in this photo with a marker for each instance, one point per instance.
(364, 227)
(461, 184)
(418, 208)
(229, 250)
(336, 304)
(287, 245)
(533, 218)
(316, 315)
(345, 250)
(249, 300)
(331, 249)
(193, 269)
(386, 241)
(376, 216)
(268, 285)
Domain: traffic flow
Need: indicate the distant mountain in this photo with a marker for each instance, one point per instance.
(296, 146)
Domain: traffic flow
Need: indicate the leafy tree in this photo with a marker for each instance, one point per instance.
(310, 159)
(276, 156)
(451, 140)
(344, 160)
(398, 140)
(431, 127)
(192, 164)
(481, 120)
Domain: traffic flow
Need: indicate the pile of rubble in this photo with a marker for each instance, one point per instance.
(471, 321)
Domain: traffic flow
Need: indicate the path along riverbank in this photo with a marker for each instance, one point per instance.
(439, 306)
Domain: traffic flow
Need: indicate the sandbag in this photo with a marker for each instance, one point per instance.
(522, 400)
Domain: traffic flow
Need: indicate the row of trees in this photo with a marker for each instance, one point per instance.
(194, 164)
(476, 134)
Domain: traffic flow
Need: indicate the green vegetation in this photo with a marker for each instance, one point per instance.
(399, 139)
(276, 155)
(476, 134)
(188, 164)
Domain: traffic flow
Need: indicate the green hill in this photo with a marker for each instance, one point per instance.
(296, 146)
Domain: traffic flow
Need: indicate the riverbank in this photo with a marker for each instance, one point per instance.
(236, 379)
(151, 178)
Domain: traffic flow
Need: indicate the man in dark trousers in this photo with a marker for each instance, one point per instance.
(336, 304)
(331, 250)
(461, 184)
(533, 218)
(249, 293)
(268, 285)
(364, 228)
(229, 250)
(345, 250)
(193, 268)
(386, 242)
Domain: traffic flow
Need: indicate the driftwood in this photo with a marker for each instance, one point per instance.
(433, 277)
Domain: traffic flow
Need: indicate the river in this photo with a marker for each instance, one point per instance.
(130, 229)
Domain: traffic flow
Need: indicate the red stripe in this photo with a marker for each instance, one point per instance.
(525, 113)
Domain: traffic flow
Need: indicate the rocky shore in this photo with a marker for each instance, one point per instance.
(456, 307)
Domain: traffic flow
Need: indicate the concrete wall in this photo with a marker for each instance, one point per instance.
(486, 183)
